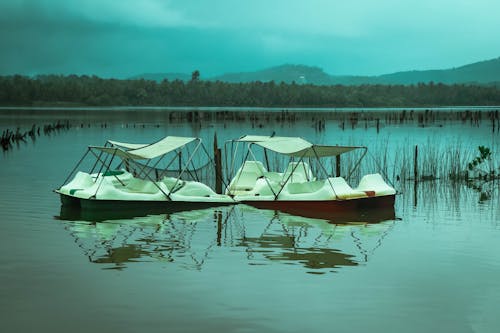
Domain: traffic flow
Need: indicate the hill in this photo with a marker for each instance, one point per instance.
(484, 72)
(158, 77)
(285, 73)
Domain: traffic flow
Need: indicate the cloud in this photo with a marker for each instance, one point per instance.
(148, 13)
(111, 37)
(151, 13)
(312, 17)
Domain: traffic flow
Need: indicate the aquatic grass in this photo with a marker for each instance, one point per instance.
(436, 160)
(456, 158)
(9, 136)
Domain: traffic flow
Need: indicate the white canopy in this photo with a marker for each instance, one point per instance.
(162, 147)
(128, 145)
(295, 146)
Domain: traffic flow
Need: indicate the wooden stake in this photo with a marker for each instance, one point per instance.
(337, 165)
(415, 165)
(218, 166)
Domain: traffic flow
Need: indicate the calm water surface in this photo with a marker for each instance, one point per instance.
(435, 267)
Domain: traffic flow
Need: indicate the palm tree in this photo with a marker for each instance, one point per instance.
(195, 76)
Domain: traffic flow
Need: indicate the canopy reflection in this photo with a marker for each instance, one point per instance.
(188, 238)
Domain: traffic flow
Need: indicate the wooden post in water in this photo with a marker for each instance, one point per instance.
(415, 193)
(415, 165)
(337, 165)
(415, 176)
(218, 215)
(218, 166)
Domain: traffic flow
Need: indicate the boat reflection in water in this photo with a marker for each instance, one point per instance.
(122, 237)
(320, 245)
(261, 237)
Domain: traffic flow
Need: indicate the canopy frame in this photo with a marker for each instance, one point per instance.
(308, 150)
(131, 153)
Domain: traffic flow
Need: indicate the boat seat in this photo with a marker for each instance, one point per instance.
(117, 177)
(246, 177)
(253, 166)
(315, 190)
(273, 176)
(195, 189)
(138, 190)
(298, 172)
(244, 181)
(265, 187)
(141, 186)
(81, 181)
(170, 182)
(305, 187)
(374, 184)
(343, 191)
(294, 178)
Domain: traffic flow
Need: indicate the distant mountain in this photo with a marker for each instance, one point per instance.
(284, 73)
(162, 76)
(484, 72)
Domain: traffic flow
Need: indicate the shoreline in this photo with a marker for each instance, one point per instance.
(249, 109)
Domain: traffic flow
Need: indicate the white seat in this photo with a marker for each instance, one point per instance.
(273, 176)
(244, 181)
(375, 183)
(81, 181)
(343, 191)
(141, 186)
(170, 182)
(253, 166)
(265, 187)
(195, 189)
(297, 172)
(246, 177)
(315, 190)
(305, 187)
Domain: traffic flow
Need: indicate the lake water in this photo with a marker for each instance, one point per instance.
(434, 267)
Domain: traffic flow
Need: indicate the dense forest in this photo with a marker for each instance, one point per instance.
(49, 90)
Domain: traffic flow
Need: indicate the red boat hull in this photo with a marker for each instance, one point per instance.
(370, 209)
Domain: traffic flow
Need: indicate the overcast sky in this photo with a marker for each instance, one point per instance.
(121, 38)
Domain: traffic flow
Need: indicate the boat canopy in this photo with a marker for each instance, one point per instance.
(146, 152)
(128, 145)
(295, 146)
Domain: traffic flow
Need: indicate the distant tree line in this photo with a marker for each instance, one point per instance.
(95, 91)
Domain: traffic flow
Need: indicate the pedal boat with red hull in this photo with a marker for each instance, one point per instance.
(297, 189)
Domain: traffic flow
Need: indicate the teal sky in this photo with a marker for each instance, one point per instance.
(121, 38)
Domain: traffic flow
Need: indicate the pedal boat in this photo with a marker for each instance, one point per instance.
(296, 189)
(128, 177)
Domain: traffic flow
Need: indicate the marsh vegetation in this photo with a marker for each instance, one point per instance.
(400, 159)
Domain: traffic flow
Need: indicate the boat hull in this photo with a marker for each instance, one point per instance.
(137, 205)
(370, 209)
(69, 200)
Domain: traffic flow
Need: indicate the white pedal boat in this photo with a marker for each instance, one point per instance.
(296, 189)
(127, 176)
